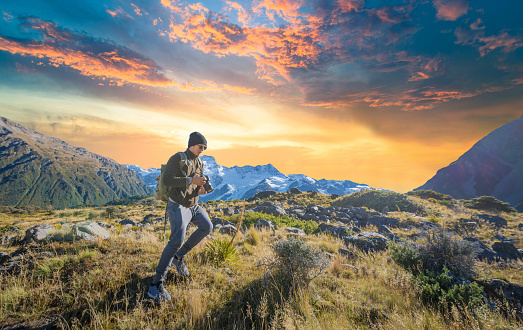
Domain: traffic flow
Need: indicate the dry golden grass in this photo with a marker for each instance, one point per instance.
(102, 285)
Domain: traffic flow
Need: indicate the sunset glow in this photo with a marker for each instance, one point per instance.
(377, 92)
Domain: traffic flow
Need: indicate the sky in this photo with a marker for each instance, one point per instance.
(382, 93)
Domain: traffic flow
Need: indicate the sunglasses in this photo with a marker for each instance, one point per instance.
(202, 146)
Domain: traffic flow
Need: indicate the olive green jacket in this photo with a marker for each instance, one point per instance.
(181, 190)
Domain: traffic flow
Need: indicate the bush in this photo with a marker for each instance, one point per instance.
(441, 251)
(378, 200)
(489, 203)
(295, 263)
(442, 291)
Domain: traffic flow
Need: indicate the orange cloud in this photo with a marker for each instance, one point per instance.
(485, 44)
(451, 10)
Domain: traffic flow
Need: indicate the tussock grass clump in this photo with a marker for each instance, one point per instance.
(220, 251)
(378, 200)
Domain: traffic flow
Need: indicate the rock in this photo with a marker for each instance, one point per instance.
(127, 222)
(313, 209)
(379, 220)
(148, 217)
(264, 224)
(492, 220)
(368, 241)
(385, 210)
(271, 208)
(38, 233)
(347, 253)
(3, 257)
(359, 212)
(384, 230)
(483, 252)
(503, 291)
(337, 231)
(219, 221)
(471, 225)
(500, 237)
(228, 229)
(295, 191)
(295, 231)
(263, 194)
(520, 227)
(90, 231)
(508, 248)
(106, 226)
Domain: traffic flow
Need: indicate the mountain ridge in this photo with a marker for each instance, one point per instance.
(492, 167)
(45, 171)
(239, 182)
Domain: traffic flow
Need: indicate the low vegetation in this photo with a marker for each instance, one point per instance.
(264, 279)
(378, 200)
(489, 203)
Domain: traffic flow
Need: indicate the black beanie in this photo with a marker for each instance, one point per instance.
(196, 138)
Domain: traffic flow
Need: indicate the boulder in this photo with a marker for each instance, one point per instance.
(368, 241)
(228, 229)
(3, 257)
(337, 231)
(492, 220)
(501, 238)
(38, 233)
(295, 191)
(348, 254)
(385, 210)
(264, 224)
(219, 221)
(271, 208)
(483, 251)
(127, 222)
(89, 231)
(520, 227)
(507, 248)
(295, 231)
(504, 292)
(379, 220)
(384, 230)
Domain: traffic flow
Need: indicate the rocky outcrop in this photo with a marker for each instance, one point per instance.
(89, 231)
(368, 241)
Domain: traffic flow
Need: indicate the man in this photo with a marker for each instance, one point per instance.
(186, 184)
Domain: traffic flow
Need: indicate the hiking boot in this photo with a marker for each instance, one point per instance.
(181, 269)
(158, 293)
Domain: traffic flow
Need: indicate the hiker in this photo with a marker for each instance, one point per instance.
(183, 177)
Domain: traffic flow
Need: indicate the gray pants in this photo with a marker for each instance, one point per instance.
(180, 217)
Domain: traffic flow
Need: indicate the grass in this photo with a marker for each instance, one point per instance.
(102, 285)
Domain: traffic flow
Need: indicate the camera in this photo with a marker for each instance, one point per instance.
(207, 186)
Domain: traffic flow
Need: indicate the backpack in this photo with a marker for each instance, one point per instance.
(162, 192)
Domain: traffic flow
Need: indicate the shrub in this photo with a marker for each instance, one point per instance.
(441, 290)
(488, 203)
(295, 263)
(407, 256)
(220, 251)
(378, 200)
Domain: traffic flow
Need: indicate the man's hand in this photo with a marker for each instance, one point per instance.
(202, 191)
(198, 180)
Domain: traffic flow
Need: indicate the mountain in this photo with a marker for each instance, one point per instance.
(39, 170)
(492, 167)
(244, 182)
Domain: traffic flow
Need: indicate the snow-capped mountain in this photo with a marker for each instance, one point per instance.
(244, 182)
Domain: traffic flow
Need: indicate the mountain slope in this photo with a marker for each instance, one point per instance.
(244, 182)
(492, 167)
(41, 171)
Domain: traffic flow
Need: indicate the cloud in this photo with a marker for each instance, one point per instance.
(450, 10)
(101, 59)
(486, 44)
